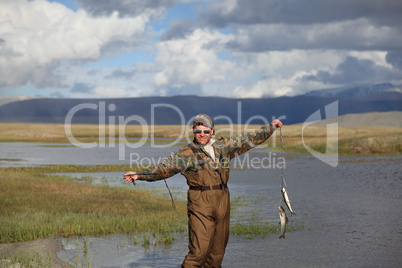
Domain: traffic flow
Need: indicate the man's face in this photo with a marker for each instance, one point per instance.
(200, 136)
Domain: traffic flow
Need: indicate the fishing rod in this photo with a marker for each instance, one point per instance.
(170, 193)
(284, 192)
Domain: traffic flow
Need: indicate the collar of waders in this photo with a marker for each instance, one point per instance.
(198, 152)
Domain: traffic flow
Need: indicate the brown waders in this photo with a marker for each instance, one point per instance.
(208, 205)
(208, 210)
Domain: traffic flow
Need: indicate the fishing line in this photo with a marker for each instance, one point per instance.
(282, 177)
(171, 197)
(285, 196)
(170, 193)
(283, 183)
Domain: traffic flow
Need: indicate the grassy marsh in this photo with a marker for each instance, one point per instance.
(35, 206)
(68, 169)
(351, 140)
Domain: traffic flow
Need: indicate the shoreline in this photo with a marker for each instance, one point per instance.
(44, 250)
(354, 141)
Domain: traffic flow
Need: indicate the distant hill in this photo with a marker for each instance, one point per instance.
(355, 91)
(180, 109)
(380, 120)
(7, 99)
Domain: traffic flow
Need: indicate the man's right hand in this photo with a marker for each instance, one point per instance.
(130, 176)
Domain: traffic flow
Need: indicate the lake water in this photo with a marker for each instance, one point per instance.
(351, 213)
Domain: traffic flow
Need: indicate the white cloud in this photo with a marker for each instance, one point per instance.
(379, 57)
(278, 73)
(360, 34)
(193, 60)
(47, 45)
(36, 36)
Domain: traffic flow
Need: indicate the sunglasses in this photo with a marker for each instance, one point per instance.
(198, 131)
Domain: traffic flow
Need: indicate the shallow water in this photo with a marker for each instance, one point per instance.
(351, 213)
(35, 154)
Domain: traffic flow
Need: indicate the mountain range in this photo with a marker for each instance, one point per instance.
(355, 91)
(180, 109)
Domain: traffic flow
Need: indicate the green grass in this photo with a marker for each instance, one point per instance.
(251, 226)
(10, 159)
(69, 169)
(34, 206)
(251, 230)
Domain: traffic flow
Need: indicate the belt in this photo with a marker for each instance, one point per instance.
(207, 188)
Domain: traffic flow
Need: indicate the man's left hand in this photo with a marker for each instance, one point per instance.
(277, 124)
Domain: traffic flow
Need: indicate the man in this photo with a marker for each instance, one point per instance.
(205, 164)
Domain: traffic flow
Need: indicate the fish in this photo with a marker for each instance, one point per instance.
(284, 221)
(287, 201)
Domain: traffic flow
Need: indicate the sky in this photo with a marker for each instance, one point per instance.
(228, 48)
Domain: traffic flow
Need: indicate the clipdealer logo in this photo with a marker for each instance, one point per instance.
(233, 128)
(330, 156)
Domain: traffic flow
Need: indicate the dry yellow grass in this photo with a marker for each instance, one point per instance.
(59, 132)
(351, 140)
